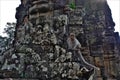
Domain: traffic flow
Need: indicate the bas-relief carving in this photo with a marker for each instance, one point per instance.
(42, 55)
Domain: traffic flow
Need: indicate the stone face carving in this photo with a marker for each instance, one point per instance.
(40, 44)
(41, 49)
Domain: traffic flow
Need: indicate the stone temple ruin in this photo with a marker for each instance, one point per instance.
(40, 49)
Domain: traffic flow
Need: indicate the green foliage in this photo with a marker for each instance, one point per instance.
(72, 5)
(9, 30)
(6, 42)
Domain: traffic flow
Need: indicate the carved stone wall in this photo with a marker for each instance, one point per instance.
(40, 48)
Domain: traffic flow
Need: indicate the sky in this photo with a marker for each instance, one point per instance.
(115, 8)
(7, 12)
(8, 9)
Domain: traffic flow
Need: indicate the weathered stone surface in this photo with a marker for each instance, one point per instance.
(40, 49)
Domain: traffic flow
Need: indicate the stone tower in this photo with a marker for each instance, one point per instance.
(40, 45)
